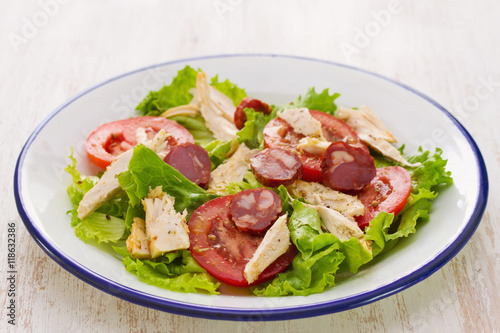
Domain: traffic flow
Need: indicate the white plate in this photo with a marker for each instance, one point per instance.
(40, 182)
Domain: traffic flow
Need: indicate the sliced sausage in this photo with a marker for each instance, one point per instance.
(192, 161)
(335, 129)
(273, 167)
(254, 210)
(346, 168)
(248, 102)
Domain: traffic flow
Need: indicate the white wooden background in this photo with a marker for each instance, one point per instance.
(448, 49)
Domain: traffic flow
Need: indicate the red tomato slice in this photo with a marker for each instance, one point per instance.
(387, 192)
(111, 139)
(279, 134)
(223, 250)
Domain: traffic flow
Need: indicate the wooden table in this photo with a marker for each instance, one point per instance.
(449, 50)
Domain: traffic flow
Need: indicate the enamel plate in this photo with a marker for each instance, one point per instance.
(40, 182)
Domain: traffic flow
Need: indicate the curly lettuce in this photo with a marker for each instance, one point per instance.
(231, 90)
(176, 271)
(322, 101)
(175, 94)
(107, 223)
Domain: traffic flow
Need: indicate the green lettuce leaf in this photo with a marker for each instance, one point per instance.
(252, 133)
(100, 227)
(177, 271)
(431, 173)
(381, 161)
(355, 255)
(309, 276)
(282, 192)
(416, 210)
(322, 101)
(147, 170)
(377, 231)
(311, 271)
(217, 151)
(306, 231)
(106, 224)
(80, 185)
(249, 182)
(134, 211)
(229, 89)
(196, 126)
(175, 94)
(305, 226)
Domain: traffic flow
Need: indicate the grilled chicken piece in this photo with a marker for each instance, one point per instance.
(340, 226)
(318, 194)
(137, 242)
(217, 112)
(302, 122)
(275, 243)
(373, 132)
(166, 229)
(232, 170)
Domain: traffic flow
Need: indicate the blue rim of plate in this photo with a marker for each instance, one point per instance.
(222, 313)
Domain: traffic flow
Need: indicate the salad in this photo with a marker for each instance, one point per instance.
(209, 187)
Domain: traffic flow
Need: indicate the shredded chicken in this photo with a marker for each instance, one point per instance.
(137, 241)
(340, 226)
(302, 122)
(166, 229)
(232, 170)
(224, 104)
(318, 194)
(214, 111)
(373, 132)
(275, 243)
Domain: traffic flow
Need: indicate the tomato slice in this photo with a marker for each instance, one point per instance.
(111, 139)
(387, 192)
(279, 134)
(219, 247)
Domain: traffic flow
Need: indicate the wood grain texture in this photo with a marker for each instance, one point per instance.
(446, 49)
